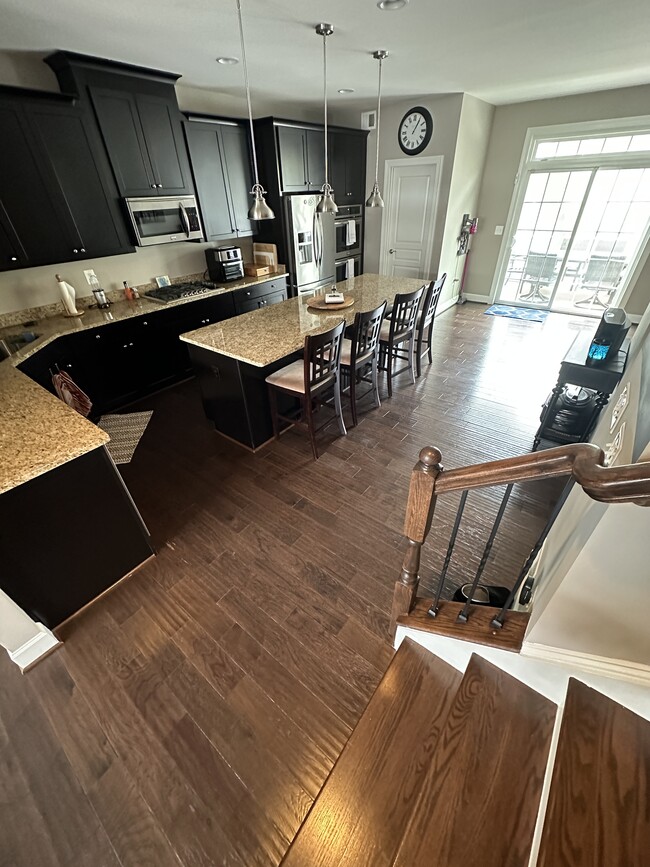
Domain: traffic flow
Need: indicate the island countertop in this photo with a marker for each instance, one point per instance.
(264, 336)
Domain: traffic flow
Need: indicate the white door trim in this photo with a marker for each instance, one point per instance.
(386, 223)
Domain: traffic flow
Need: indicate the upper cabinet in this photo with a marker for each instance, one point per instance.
(221, 166)
(139, 122)
(301, 154)
(348, 166)
(56, 200)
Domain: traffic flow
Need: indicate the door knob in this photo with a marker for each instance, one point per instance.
(391, 251)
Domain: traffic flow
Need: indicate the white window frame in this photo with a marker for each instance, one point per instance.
(563, 132)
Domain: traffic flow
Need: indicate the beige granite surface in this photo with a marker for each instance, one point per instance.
(38, 432)
(271, 333)
(50, 328)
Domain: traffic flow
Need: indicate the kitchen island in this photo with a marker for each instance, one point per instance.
(232, 359)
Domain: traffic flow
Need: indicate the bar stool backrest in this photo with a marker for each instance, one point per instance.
(431, 299)
(405, 311)
(365, 335)
(323, 356)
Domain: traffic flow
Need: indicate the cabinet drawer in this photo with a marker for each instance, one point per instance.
(250, 293)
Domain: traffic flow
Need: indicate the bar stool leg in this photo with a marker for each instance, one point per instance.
(353, 394)
(308, 410)
(389, 368)
(273, 400)
(411, 354)
(337, 404)
(375, 378)
(429, 342)
(418, 354)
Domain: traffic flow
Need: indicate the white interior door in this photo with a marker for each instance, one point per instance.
(411, 197)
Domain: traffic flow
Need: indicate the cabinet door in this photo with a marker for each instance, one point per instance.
(25, 197)
(315, 158)
(204, 144)
(274, 298)
(119, 122)
(239, 176)
(12, 254)
(293, 159)
(163, 137)
(355, 170)
(89, 208)
(337, 167)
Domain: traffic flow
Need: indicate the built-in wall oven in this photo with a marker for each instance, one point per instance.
(348, 225)
(165, 219)
(346, 268)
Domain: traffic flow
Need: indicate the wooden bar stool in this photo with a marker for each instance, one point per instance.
(397, 329)
(361, 351)
(310, 379)
(424, 322)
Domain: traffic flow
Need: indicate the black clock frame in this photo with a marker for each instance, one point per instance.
(428, 135)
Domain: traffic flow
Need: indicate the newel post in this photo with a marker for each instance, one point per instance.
(419, 514)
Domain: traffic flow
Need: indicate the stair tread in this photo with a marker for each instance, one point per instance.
(598, 804)
(479, 801)
(477, 628)
(360, 814)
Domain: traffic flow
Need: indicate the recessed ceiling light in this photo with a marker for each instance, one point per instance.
(346, 90)
(392, 5)
(228, 61)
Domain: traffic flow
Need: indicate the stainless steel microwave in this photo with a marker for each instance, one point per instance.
(165, 219)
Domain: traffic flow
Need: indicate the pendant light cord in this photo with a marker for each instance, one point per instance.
(248, 91)
(324, 101)
(381, 60)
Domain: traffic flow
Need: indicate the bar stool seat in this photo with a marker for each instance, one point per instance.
(346, 353)
(399, 329)
(292, 377)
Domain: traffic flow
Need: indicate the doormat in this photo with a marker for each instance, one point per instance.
(517, 313)
(125, 432)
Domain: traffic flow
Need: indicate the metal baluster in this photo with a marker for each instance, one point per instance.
(450, 550)
(464, 613)
(497, 622)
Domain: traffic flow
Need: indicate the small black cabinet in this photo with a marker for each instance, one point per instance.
(348, 166)
(222, 175)
(302, 158)
(260, 295)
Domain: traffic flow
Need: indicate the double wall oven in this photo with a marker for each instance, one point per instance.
(348, 226)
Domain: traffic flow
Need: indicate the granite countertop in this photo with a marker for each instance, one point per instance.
(264, 336)
(38, 432)
(57, 326)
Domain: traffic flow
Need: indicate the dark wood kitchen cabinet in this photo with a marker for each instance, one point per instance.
(223, 178)
(57, 199)
(348, 166)
(260, 295)
(301, 153)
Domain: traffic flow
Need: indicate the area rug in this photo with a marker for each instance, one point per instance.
(125, 432)
(517, 313)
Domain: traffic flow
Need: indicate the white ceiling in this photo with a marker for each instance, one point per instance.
(499, 50)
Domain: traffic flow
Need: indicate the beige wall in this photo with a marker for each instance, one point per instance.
(509, 128)
(467, 172)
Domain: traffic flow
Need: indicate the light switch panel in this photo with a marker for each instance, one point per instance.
(89, 274)
(498, 230)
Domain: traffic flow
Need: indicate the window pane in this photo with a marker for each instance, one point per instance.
(616, 144)
(567, 216)
(568, 148)
(540, 242)
(642, 193)
(640, 142)
(529, 214)
(556, 186)
(548, 215)
(546, 149)
(591, 146)
(613, 216)
(536, 187)
(577, 185)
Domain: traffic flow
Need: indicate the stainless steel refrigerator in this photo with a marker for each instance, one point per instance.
(312, 243)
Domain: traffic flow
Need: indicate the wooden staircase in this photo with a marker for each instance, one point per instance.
(447, 770)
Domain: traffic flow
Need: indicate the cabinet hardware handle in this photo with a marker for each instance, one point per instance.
(130, 344)
(14, 259)
(159, 186)
(83, 250)
(153, 186)
(145, 322)
(75, 251)
(97, 336)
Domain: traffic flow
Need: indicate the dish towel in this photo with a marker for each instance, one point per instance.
(70, 393)
(350, 233)
(349, 268)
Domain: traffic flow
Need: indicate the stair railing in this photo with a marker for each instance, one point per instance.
(582, 462)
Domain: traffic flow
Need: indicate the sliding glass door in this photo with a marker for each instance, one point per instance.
(578, 229)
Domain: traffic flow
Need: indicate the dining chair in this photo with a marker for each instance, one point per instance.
(310, 379)
(425, 320)
(360, 352)
(398, 329)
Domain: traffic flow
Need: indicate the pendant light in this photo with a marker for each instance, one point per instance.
(375, 200)
(326, 205)
(259, 210)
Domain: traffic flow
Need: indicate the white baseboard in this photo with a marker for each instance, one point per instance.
(445, 305)
(621, 669)
(38, 646)
(479, 299)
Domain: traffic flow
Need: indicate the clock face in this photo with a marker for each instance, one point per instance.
(415, 130)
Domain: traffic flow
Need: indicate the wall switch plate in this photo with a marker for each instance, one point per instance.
(498, 230)
(619, 407)
(89, 274)
(613, 449)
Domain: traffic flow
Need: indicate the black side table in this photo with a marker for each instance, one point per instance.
(574, 370)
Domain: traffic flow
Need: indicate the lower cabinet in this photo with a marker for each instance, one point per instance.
(260, 295)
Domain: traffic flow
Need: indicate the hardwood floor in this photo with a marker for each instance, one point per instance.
(194, 712)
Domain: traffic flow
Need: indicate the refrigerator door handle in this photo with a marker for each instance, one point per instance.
(316, 239)
(321, 241)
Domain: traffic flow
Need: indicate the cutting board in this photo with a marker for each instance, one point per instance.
(319, 303)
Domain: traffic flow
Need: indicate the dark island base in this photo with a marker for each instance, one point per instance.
(67, 536)
(235, 396)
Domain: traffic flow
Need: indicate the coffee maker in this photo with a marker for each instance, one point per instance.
(225, 264)
(609, 336)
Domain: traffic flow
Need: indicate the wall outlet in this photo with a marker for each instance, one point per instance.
(613, 449)
(619, 407)
(89, 274)
(498, 230)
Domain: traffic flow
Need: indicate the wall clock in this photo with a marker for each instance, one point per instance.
(415, 130)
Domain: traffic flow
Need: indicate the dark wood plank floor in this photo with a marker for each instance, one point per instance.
(194, 712)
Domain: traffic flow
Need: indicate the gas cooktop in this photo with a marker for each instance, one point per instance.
(166, 294)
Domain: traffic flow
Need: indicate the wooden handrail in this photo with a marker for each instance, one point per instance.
(584, 462)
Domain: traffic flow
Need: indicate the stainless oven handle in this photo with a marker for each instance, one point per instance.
(184, 218)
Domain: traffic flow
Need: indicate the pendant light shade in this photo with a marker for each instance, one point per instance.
(375, 200)
(326, 204)
(259, 210)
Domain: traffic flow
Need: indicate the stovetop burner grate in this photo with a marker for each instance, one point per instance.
(165, 294)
